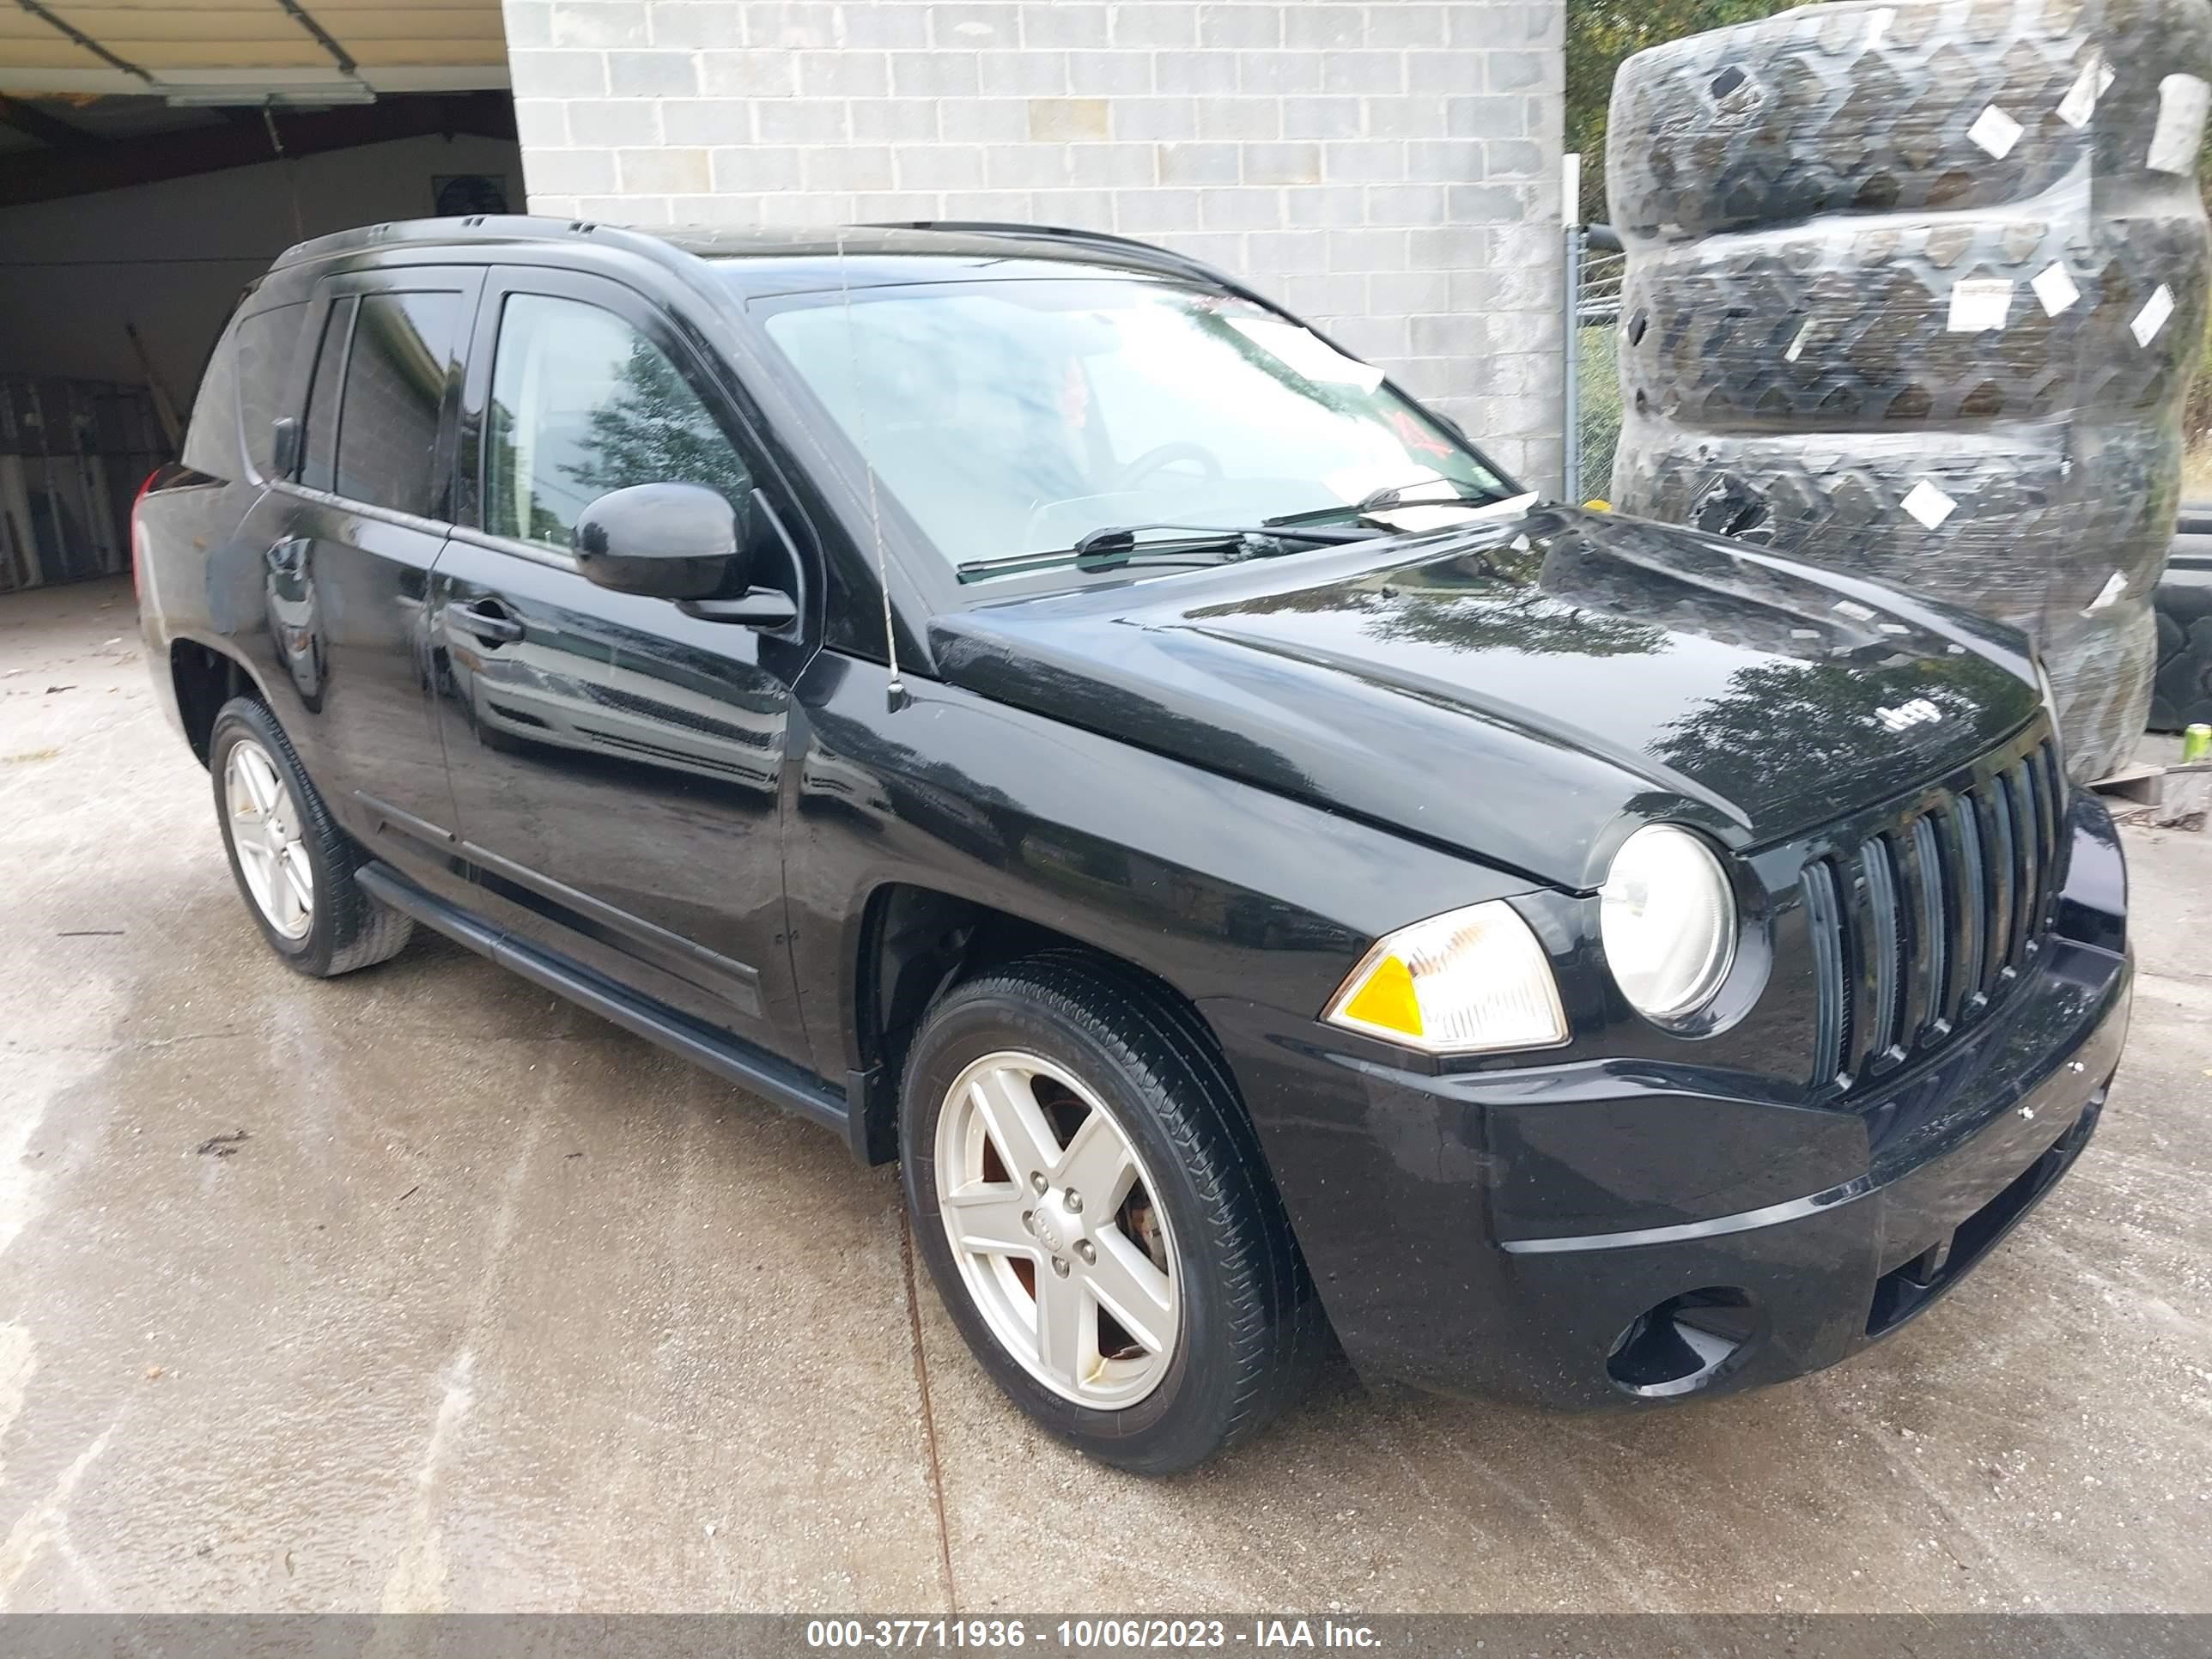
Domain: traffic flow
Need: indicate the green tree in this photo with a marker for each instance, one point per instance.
(655, 430)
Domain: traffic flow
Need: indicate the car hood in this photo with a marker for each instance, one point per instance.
(1526, 690)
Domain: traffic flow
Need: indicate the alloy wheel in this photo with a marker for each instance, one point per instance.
(265, 830)
(1053, 1224)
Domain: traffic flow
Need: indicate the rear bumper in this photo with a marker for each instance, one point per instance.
(1527, 1234)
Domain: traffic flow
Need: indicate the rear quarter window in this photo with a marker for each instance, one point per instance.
(266, 340)
(240, 392)
(211, 440)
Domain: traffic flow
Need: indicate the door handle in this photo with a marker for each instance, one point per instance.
(487, 620)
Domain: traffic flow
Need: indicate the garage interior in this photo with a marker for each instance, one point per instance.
(156, 158)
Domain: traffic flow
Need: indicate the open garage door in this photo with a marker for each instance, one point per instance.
(154, 157)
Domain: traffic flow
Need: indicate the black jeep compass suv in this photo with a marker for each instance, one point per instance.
(1019, 699)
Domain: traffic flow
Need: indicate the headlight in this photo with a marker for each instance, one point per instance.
(1667, 921)
(1464, 983)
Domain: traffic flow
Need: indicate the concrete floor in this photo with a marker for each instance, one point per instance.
(496, 1307)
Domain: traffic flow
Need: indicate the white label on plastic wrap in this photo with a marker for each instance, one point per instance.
(2152, 318)
(1979, 304)
(2115, 585)
(1852, 609)
(1878, 23)
(2054, 286)
(2080, 102)
(1895, 627)
(1929, 505)
(2182, 101)
(1994, 131)
(1804, 633)
(1798, 344)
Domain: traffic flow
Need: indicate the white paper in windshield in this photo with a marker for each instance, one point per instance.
(1303, 352)
(1412, 520)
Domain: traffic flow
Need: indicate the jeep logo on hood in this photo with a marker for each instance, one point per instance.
(1907, 715)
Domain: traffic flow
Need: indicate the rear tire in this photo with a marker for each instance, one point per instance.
(294, 867)
(1066, 1036)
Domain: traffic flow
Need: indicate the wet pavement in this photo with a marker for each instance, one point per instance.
(422, 1289)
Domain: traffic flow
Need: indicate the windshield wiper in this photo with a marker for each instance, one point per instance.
(1111, 547)
(1390, 495)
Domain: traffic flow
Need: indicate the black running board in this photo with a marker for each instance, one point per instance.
(781, 1085)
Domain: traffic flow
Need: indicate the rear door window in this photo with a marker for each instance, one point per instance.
(319, 469)
(396, 378)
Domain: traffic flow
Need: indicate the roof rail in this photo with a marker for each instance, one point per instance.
(492, 228)
(1166, 258)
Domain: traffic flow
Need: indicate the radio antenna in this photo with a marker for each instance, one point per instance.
(895, 691)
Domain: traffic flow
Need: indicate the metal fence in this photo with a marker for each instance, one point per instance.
(1594, 265)
(72, 456)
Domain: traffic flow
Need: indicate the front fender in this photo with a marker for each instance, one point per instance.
(1218, 888)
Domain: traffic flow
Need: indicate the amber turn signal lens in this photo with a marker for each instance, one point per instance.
(1474, 981)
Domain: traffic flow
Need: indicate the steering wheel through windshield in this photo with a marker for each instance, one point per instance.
(1167, 455)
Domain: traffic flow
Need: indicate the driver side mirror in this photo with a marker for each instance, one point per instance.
(679, 541)
(663, 541)
(284, 448)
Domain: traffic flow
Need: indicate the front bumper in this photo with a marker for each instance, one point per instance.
(1593, 1235)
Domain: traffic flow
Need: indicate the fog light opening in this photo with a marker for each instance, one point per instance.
(1685, 1343)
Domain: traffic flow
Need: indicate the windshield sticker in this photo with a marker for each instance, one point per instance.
(1410, 433)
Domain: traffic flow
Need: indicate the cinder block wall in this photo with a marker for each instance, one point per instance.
(1390, 170)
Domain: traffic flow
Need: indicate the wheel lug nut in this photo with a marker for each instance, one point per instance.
(1060, 1267)
(1087, 1251)
(1036, 1183)
(1029, 1220)
(1074, 1202)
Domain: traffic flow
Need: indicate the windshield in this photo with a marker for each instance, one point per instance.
(1018, 417)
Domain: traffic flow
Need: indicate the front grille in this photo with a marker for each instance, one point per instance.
(1918, 929)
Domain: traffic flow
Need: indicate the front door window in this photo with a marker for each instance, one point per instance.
(582, 403)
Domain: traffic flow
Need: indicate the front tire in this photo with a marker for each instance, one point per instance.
(1091, 1201)
(293, 864)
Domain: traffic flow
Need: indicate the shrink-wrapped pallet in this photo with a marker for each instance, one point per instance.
(1915, 290)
